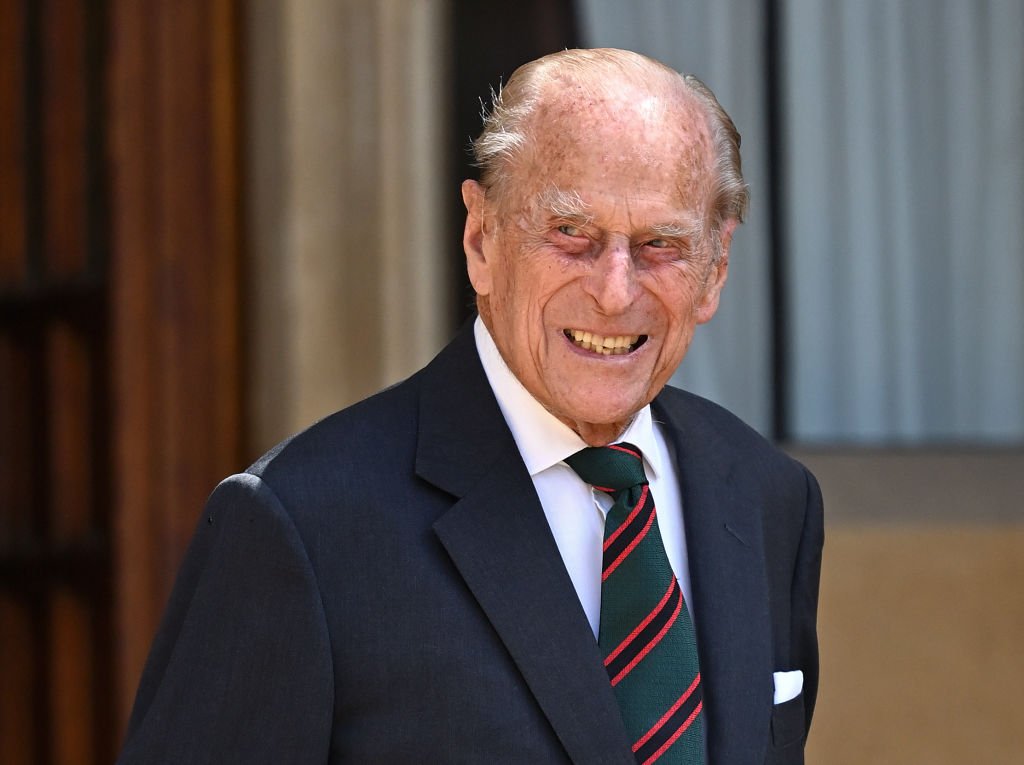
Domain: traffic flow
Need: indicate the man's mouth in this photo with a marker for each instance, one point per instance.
(612, 345)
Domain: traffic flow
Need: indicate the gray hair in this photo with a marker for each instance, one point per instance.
(505, 132)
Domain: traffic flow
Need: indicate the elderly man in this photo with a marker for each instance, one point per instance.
(532, 550)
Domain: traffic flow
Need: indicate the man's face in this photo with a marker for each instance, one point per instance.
(599, 236)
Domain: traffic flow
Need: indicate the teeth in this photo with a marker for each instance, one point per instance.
(612, 344)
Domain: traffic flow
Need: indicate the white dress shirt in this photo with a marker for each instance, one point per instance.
(574, 510)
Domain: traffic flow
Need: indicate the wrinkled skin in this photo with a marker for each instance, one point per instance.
(629, 254)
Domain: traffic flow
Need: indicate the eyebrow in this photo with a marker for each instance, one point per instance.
(567, 205)
(677, 230)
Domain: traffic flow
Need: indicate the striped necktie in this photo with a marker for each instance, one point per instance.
(646, 635)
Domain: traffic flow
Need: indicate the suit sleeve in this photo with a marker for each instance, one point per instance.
(240, 670)
(804, 599)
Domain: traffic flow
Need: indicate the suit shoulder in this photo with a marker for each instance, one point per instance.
(376, 429)
(689, 405)
(685, 408)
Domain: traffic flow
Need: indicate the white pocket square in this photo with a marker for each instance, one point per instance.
(787, 685)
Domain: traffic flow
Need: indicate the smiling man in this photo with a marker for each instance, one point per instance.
(533, 550)
(602, 223)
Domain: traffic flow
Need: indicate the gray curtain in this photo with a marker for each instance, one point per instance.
(905, 197)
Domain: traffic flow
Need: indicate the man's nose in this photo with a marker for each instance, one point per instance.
(612, 281)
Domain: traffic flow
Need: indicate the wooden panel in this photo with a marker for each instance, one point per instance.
(69, 403)
(55, 635)
(139, 483)
(19, 720)
(175, 307)
(160, 133)
(15, 444)
(12, 143)
(73, 701)
(16, 683)
(62, 25)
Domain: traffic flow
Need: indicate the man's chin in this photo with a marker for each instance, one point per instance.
(604, 417)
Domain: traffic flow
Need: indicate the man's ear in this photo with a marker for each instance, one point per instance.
(707, 305)
(477, 263)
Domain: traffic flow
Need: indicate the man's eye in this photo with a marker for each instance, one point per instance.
(568, 230)
(659, 243)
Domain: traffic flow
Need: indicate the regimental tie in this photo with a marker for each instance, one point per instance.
(646, 634)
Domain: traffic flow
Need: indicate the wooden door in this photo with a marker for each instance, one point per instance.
(119, 353)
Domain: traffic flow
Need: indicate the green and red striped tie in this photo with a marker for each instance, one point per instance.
(646, 634)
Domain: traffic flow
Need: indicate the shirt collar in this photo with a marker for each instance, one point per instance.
(543, 439)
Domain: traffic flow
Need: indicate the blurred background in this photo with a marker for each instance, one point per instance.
(221, 220)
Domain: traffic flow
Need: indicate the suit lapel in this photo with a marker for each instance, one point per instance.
(724, 539)
(499, 540)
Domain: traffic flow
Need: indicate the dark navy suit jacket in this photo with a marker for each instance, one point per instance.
(384, 588)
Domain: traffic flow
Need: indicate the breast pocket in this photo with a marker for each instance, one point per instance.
(787, 733)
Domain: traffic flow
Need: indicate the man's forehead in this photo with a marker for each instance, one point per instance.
(659, 105)
(659, 133)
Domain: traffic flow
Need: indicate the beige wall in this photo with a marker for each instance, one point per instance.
(347, 282)
(922, 608)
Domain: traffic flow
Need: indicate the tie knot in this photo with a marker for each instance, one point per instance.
(609, 468)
